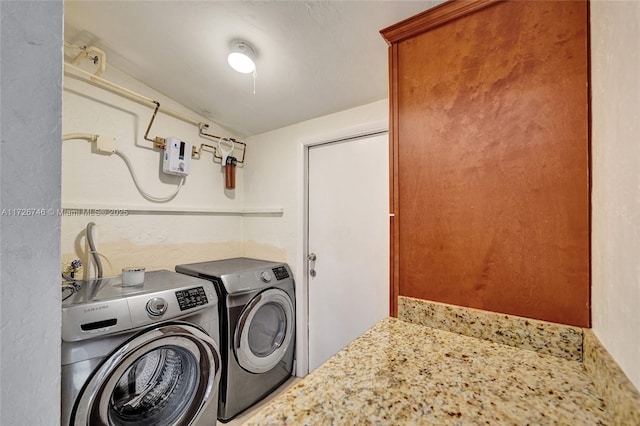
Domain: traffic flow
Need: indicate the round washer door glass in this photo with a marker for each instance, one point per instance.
(163, 376)
(264, 331)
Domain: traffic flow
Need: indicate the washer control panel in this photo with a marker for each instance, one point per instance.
(191, 298)
(280, 273)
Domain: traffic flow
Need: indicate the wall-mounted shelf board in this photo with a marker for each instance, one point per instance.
(84, 209)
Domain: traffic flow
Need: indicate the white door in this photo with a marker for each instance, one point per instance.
(349, 235)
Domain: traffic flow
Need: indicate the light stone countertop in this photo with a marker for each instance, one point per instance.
(399, 373)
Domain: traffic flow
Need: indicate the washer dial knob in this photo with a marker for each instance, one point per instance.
(265, 276)
(156, 306)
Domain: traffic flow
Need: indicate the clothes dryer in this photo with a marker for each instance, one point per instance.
(144, 355)
(257, 320)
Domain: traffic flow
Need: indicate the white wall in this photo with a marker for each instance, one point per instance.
(274, 176)
(31, 80)
(615, 61)
(158, 240)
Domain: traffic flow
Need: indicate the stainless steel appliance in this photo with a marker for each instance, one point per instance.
(257, 320)
(143, 355)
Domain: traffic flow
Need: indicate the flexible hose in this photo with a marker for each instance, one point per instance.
(142, 192)
(92, 246)
(85, 136)
(70, 289)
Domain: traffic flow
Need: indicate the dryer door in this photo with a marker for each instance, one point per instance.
(264, 331)
(165, 375)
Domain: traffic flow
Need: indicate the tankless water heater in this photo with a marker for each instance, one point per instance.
(177, 157)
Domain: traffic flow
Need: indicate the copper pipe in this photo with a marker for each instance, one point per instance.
(199, 152)
(157, 141)
(121, 91)
(215, 151)
(144, 100)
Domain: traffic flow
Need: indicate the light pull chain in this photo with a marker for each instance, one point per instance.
(255, 74)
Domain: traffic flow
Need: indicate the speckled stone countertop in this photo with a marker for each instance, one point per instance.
(399, 373)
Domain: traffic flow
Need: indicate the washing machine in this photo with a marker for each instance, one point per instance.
(140, 355)
(257, 334)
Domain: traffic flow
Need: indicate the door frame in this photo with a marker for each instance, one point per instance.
(302, 292)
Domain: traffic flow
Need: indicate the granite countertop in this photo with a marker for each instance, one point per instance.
(399, 373)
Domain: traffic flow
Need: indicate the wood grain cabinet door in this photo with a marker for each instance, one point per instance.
(490, 141)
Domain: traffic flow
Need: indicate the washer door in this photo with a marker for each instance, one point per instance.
(165, 375)
(264, 331)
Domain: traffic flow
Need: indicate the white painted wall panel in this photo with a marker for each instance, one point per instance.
(274, 177)
(615, 60)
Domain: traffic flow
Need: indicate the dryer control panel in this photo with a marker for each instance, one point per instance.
(280, 273)
(191, 298)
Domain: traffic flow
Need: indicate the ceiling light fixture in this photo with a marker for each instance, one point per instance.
(241, 57)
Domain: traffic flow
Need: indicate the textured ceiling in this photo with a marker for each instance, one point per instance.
(313, 57)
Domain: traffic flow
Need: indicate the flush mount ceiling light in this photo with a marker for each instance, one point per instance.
(241, 57)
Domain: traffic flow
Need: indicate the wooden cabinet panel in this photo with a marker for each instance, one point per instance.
(490, 133)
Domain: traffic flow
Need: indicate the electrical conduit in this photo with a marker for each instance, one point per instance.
(146, 195)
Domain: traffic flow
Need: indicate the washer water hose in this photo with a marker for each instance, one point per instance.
(72, 286)
(92, 247)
